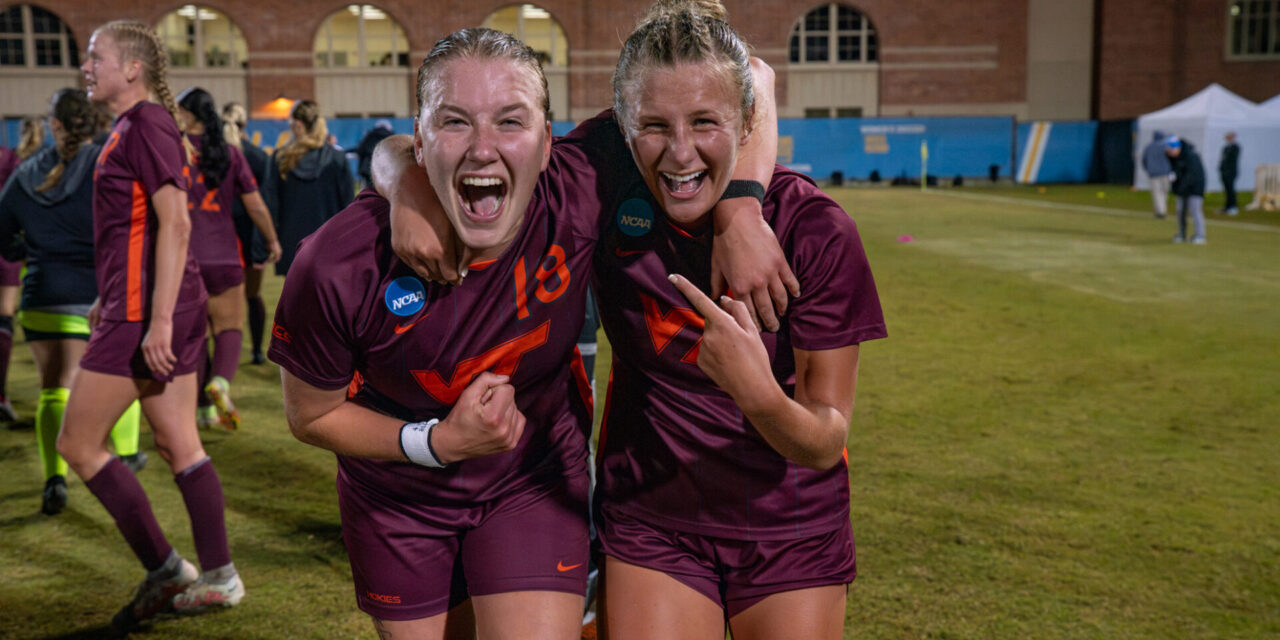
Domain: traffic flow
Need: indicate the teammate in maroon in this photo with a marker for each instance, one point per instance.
(723, 482)
(222, 178)
(149, 325)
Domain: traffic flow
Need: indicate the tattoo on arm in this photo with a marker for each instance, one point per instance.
(383, 632)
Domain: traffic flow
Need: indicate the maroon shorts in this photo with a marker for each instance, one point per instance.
(220, 277)
(115, 346)
(734, 574)
(10, 273)
(407, 566)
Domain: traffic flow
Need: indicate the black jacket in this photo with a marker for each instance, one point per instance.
(314, 191)
(1188, 171)
(1229, 165)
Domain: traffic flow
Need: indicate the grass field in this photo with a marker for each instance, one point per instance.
(1071, 432)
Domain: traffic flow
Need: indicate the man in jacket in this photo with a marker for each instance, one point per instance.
(1228, 169)
(1156, 164)
(1188, 187)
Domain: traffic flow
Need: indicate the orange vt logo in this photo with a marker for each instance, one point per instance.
(663, 327)
(502, 360)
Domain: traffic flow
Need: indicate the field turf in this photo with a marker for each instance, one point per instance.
(1071, 432)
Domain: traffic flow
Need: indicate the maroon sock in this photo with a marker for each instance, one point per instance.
(257, 322)
(119, 491)
(226, 353)
(6, 346)
(202, 492)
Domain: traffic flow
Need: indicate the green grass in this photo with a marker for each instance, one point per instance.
(1121, 197)
(1070, 433)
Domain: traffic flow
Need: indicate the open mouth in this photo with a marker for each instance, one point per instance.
(482, 197)
(683, 184)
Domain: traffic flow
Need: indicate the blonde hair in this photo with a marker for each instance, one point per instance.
(480, 44)
(679, 32)
(306, 112)
(32, 137)
(139, 42)
(234, 118)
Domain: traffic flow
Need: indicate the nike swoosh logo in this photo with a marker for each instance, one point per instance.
(622, 254)
(401, 328)
(561, 568)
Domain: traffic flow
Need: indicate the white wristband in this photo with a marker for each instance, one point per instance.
(415, 442)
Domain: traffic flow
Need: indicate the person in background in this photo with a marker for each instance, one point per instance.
(253, 250)
(31, 141)
(309, 181)
(148, 327)
(1188, 186)
(1156, 164)
(1228, 170)
(364, 151)
(222, 178)
(50, 203)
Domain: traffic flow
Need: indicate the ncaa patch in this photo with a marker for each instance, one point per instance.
(405, 296)
(635, 217)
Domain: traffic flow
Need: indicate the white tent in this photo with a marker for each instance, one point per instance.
(1272, 104)
(1203, 120)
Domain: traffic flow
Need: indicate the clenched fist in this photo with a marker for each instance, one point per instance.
(484, 421)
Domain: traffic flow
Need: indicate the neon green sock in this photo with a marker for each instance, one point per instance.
(124, 436)
(48, 421)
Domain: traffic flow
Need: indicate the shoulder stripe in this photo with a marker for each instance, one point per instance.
(137, 242)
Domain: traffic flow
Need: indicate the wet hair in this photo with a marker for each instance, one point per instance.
(214, 158)
(32, 136)
(80, 121)
(682, 32)
(234, 118)
(139, 42)
(306, 112)
(478, 44)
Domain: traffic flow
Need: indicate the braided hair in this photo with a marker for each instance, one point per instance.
(214, 159)
(139, 42)
(80, 121)
(32, 136)
(677, 32)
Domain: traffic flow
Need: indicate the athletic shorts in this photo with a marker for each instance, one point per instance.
(220, 277)
(42, 325)
(407, 566)
(10, 273)
(115, 347)
(253, 249)
(734, 574)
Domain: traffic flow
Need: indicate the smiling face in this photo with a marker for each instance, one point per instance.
(685, 131)
(483, 139)
(106, 74)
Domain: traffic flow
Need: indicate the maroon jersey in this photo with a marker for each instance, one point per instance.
(674, 448)
(213, 231)
(350, 308)
(143, 154)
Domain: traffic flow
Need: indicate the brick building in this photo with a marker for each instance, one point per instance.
(1034, 59)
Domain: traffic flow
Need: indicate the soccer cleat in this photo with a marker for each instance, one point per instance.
(55, 496)
(155, 597)
(135, 461)
(219, 391)
(204, 595)
(7, 414)
(206, 416)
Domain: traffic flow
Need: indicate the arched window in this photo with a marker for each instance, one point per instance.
(833, 33)
(535, 26)
(361, 35)
(201, 37)
(31, 37)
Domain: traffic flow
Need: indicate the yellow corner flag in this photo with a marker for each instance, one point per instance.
(924, 164)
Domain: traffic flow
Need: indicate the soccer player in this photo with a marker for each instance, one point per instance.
(148, 325)
(50, 202)
(253, 251)
(223, 178)
(308, 181)
(31, 141)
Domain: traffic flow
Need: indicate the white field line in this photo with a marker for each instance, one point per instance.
(1092, 209)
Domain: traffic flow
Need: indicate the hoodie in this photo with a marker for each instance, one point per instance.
(57, 227)
(1154, 160)
(315, 190)
(1188, 172)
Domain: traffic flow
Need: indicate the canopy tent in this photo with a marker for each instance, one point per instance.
(1203, 120)
(1272, 104)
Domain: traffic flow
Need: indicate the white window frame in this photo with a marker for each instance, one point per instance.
(833, 32)
(197, 47)
(362, 39)
(29, 37)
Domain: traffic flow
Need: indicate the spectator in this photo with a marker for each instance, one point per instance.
(381, 129)
(1156, 164)
(1188, 187)
(1229, 168)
